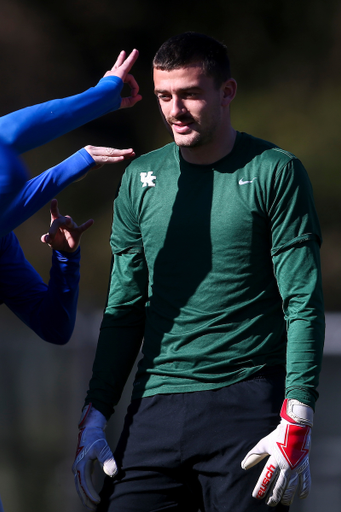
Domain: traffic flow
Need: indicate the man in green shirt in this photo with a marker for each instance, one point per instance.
(216, 269)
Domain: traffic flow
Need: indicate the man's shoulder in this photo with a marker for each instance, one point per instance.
(155, 157)
(265, 149)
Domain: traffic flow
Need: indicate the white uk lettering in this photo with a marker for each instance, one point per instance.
(147, 179)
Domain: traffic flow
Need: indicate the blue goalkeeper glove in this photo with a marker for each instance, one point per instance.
(92, 446)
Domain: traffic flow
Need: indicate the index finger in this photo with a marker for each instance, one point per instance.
(54, 210)
(122, 66)
(119, 61)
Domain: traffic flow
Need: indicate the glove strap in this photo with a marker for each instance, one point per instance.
(294, 411)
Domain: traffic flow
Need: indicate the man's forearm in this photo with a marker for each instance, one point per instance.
(40, 190)
(299, 278)
(13, 177)
(116, 354)
(33, 126)
(54, 316)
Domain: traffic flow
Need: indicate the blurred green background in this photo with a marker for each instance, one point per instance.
(285, 57)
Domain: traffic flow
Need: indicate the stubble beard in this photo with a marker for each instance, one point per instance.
(197, 138)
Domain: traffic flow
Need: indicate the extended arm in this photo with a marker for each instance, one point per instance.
(40, 190)
(33, 126)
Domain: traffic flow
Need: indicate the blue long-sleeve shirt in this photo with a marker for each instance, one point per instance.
(50, 310)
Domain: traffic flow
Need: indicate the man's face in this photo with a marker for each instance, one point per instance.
(191, 105)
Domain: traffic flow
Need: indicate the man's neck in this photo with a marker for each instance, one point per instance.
(210, 152)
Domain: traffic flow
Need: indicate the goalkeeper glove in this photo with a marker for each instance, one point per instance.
(287, 468)
(92, 445)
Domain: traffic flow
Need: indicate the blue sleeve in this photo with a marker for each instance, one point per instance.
(40, 190)
(13, 176)
(50, 311)
(33, 126)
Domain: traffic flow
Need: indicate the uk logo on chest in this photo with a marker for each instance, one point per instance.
(147, 179)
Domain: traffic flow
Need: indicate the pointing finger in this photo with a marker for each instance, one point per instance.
(130, 60)
(123, 65)
(54, 209)
(119, 61)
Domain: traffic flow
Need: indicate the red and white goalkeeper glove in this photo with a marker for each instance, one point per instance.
(92, 446)
(287, 469)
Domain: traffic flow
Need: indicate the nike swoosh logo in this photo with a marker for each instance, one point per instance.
(242, 182)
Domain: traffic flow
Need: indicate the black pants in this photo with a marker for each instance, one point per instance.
(182, 452)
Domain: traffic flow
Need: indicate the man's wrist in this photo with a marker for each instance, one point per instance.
(295, 411)
(91, 417)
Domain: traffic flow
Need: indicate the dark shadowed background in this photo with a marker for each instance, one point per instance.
(286, 57)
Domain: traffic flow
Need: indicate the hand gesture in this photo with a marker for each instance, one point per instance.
(64, 234)
(108, 155)
(121, 69)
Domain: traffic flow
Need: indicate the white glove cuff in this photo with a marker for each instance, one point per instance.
(92, 418)
(297, 412)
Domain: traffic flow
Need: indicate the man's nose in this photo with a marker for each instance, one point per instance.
(178, 107)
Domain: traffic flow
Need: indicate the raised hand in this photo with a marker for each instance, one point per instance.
(103, 155)
(121, 69)
(64, 234)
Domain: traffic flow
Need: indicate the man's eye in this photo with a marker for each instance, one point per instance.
(163, 97)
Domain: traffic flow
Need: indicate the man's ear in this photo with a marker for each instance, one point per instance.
(229, 90)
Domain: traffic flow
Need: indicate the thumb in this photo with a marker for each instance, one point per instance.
(107, 461)
(110, 467)
(257, 453)
(45, 239)
(251, 460)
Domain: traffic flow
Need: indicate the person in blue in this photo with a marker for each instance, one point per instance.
(50, 309)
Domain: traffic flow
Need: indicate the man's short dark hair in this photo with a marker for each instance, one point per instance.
(191, 48)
